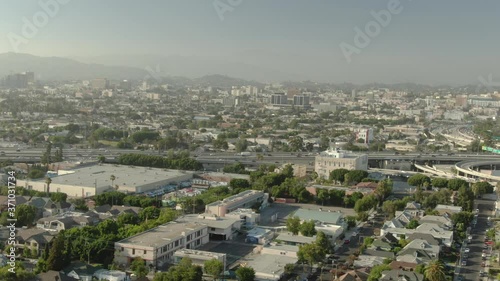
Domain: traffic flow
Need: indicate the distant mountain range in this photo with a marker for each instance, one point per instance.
(175, 70)
(58, 69)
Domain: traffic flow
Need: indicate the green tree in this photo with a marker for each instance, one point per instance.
(58, 197)
(213, 268)
(46, 158)
(241, 145)
(384, 189)
(377, 270)
(434, 271)
(138, 266)
(296, 143)
(355, 176)
(311, 253)
(293, 225)
(112, 178)
(465, 198)
(338, 175)
(287, 171)
(455, 184)
(439, 182)
(365, 204)
(323, 242)
(412, 224)
(184, 271)
(58, 255)
(418, 180)
(308, 228)
(245, 273)
(389, 209)
(239, 184)
(21, 274)
(48, 181)
(322, 195)
(35, 174)
(101, 158)
(420, 268)
(149, 213)
(25, 215)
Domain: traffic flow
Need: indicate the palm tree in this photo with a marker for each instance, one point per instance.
(434, 271)
(48, 181)
(112, 178)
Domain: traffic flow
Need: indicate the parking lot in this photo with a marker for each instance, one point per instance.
(234, 250)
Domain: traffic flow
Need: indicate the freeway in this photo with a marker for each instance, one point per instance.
(34, 154)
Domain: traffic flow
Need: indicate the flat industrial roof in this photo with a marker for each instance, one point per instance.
(161, 235)
(215, 222)
(289, 237)
(126, 176)
(321, 216)
(269, 264)
(238, 197)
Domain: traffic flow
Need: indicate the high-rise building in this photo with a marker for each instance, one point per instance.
(279, 99)
(30, 77)
(17, 80)
(301, 100)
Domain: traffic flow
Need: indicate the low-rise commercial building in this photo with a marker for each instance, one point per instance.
(219, 228)
(198, 257)
(245, 199)
(158, 245)
(248, 217)
(85, 181)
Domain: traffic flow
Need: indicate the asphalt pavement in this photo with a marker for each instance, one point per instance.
(476, 247)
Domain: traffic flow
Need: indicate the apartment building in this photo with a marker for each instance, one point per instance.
(333, 159)
(245, 199)
(365, 134)
(158, 245)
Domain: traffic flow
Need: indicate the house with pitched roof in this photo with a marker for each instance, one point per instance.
(352, 275)
(419, 251)
(52, 275)
(33, 238)
(400, 275)
(66, 221)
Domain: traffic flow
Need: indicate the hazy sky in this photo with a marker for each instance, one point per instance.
(428, 41)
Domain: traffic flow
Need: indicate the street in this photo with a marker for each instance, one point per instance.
(476, 247)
